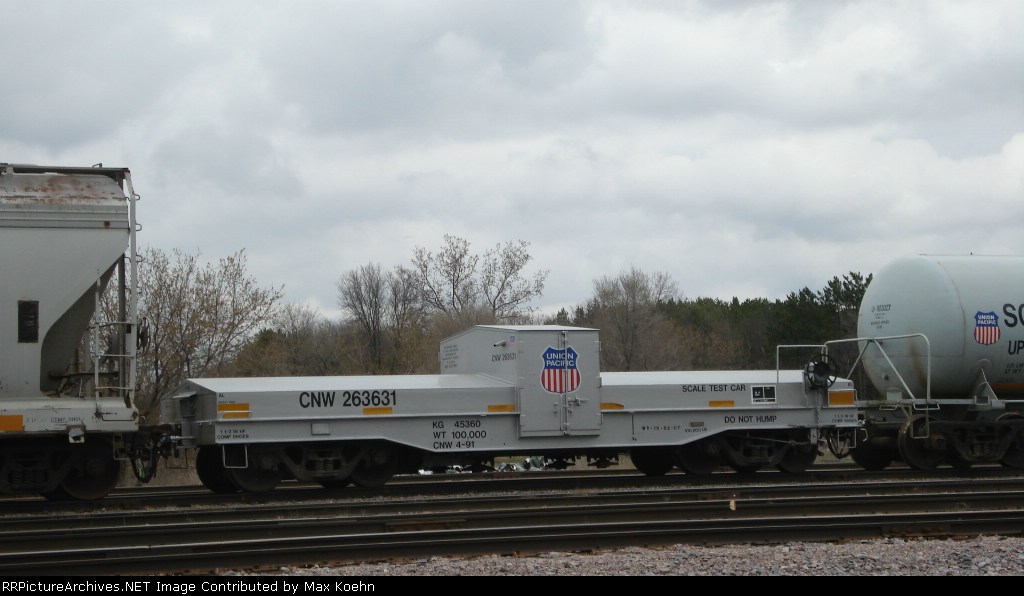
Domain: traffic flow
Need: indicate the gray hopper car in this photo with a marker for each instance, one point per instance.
(506, 390)
(67, 368)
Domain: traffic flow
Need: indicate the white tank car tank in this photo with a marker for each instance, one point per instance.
(971, 309)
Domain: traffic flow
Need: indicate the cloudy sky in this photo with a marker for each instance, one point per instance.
(745, 148)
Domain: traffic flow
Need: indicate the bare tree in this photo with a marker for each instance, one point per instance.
(504, 288)
(447, 279)
(450, 283)
(199, 317)
(362, 293)
(405, 317)
(384, 306)
(634, 334)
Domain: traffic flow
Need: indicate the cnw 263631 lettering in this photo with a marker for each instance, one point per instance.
(349, 399)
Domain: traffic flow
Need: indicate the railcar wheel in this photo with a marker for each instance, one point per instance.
(798, 458)
(211, 472)
(95, 474)
(875, 454)
(260, 476)
(379, 464)
(697, 459)
(918, 451)
(1014, 455)
(652, 461)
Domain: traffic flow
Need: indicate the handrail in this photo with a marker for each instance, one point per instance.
(876, 341)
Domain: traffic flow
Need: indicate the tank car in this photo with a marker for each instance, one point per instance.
(505, 391)
(64, 410)
(942, 341)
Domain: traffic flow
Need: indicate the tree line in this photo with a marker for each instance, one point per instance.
(217, 320)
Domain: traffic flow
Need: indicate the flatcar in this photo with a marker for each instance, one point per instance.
(506, 390)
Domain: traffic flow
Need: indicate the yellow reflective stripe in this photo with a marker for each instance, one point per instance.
(12, 423)
(377, 411)
(232, 407)
(841, 398)
(725, 403)
(233, 411)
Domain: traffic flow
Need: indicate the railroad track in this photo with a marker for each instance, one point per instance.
(507, 516)
(150, 496)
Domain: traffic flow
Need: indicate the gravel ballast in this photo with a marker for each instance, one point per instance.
(989, 555)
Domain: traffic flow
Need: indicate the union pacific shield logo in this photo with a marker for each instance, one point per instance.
(986, 328)
(560, 374)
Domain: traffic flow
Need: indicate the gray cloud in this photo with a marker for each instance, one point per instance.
(747, 149)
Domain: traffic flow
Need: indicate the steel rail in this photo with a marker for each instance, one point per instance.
(202, 541)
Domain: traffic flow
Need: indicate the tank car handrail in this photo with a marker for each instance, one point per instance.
(868, 341)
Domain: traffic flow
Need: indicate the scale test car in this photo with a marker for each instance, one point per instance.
(506, 390)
